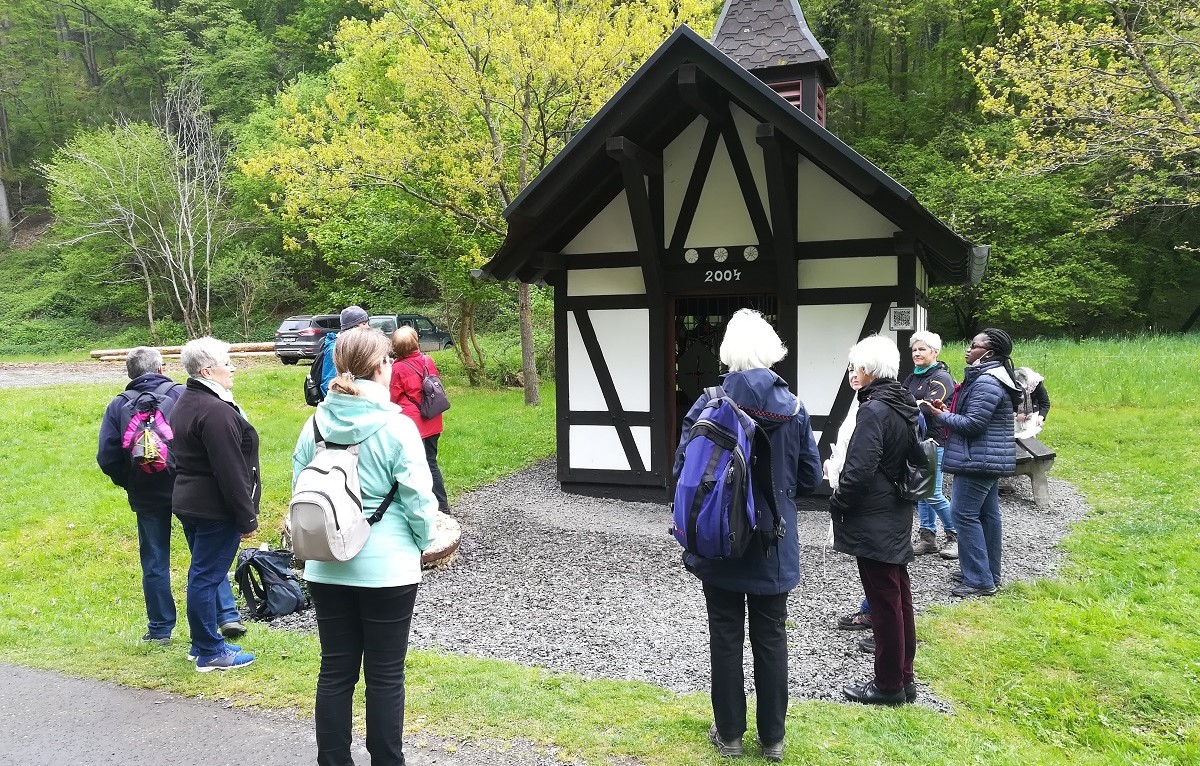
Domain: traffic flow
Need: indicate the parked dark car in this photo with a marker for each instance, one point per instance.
(429, 336)
(300, 337)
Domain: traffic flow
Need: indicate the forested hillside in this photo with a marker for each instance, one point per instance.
(175, 167)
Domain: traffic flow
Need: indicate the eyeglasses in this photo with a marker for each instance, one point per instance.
(979, 345)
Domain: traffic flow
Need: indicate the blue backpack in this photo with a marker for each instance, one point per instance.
(727, 455)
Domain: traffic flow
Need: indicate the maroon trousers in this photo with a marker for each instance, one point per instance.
(889, 595)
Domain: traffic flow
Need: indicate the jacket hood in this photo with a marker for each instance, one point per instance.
(348, 419)
(763, 395)
(889, 391)
(1028, 379)
(147, 382)
(997, 371)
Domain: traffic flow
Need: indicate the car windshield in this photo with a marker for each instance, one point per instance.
(295, 324)
(385, 324)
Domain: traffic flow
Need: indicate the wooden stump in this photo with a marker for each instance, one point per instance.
(446, 536)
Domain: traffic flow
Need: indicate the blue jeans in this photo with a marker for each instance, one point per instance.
(937, 506)
(214, 544)
(976, 509)
(226, 606)
(154, 549)
(367, 629)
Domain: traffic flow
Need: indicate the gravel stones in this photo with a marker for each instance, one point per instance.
(596, 587)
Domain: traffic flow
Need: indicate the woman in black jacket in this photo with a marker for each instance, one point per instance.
(873, 523)
(216, 491)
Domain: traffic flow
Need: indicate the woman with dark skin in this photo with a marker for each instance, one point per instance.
(979, 450)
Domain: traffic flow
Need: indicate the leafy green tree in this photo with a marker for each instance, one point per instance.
(459, 104)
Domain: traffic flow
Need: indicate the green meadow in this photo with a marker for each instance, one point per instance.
(1098, 666)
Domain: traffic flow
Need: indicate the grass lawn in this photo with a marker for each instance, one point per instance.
(1099, 666)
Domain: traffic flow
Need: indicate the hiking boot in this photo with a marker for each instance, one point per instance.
(230, 660)
(957, 577)
(966, 591)
(926, 542)
(159, 640)
(949, 549)
(866, 644)
(856, 621)
(233, 629)
(725, 748)
(910, 692)
(772, 752)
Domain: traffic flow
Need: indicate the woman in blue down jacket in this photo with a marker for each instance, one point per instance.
(756, 584)
(979, 451)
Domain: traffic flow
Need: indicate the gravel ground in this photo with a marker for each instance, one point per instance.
(595, 587)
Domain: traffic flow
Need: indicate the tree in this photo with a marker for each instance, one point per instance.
(156, 193)
(459, 104)
(1114, 83)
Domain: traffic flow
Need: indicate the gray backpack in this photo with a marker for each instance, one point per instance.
(325, 518)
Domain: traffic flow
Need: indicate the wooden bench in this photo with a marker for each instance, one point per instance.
(1035, 460)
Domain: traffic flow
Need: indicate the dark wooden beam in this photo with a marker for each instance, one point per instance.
(697, 92)
(846, 248)
(643, 221)
(561, 262)
(781, 162)
(620, 147)
(691, 196)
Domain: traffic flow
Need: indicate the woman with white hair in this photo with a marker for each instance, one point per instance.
(217, 491)
(931, 381)
(757, 584)
(873, 523)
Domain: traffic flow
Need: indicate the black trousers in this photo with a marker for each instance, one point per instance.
(889, 594)
(439, 486)
(727, 612)
(367, 628)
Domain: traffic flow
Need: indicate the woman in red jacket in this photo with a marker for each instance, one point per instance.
(407, 372)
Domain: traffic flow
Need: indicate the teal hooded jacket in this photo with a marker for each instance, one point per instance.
(390, 450)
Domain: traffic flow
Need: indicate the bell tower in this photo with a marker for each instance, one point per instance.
(771, 40)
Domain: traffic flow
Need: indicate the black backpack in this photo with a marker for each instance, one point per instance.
(312, 381)
(268, 584)
(433, 397)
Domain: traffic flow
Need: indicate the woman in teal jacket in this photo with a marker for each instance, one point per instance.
(364, 606)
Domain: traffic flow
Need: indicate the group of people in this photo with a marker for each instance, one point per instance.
(973, 423)
(363, 606)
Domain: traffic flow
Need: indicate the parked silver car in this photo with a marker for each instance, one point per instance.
(301, 337)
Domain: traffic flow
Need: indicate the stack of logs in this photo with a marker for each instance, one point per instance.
(172, 352)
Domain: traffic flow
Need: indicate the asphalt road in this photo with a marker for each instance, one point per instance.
(49, 719)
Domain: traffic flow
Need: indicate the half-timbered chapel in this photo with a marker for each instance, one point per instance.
(709, 183)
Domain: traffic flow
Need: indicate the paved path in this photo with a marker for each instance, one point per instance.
(48, 719)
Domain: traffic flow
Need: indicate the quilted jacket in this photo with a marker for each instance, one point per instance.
(980, 427)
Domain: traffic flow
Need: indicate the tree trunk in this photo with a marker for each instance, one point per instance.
(149, 300)
(467, 348)
(528, 366)
(6, 224)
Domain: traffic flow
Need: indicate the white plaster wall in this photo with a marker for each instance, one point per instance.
(922, 318)
(721, 215)
(678, 160)
(582, 386)
(875, 271)
(599, 447)
(609, 232)
(624, 336)
(830, 211)
(619, 281)
(922, 278)
(825, 335)
(747, 126)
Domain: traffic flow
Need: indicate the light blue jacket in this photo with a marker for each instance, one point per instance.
(390, 450)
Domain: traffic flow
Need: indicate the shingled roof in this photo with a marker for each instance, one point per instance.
(759, 34)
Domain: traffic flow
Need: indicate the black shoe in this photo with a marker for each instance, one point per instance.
(233, 630)
(870, 694)
(910, 692)
(966, 591)
(867, 644)
(856, 621)
(726, 748)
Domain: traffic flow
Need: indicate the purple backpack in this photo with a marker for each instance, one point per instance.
(147, 437)
(726, 456)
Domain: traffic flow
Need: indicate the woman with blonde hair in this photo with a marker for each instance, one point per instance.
(365, 605)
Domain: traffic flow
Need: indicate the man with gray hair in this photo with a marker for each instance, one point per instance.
(149, 492)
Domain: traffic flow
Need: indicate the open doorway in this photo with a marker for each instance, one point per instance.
(697, 328)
